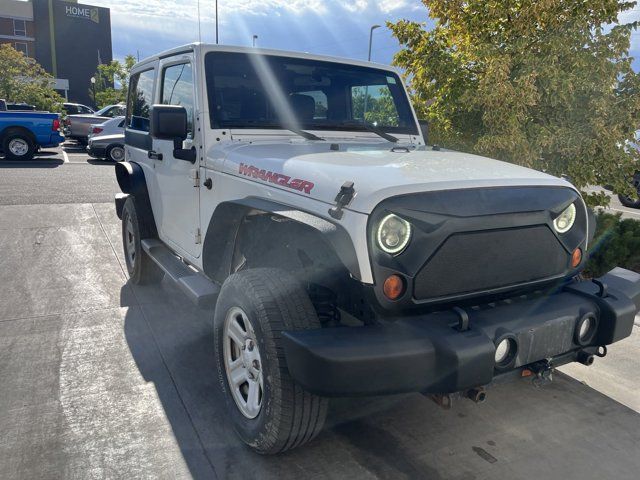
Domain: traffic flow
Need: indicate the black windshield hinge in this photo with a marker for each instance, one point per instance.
(345, 195)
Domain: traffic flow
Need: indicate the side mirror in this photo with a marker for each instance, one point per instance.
(168, 122)
(424, 128)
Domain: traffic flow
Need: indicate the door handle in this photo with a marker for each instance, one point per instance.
(154, 155)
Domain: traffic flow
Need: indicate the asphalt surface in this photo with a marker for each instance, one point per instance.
(100, 378)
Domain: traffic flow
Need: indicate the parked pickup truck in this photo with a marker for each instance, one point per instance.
(296, 197)
(23, 133)
(78, 127)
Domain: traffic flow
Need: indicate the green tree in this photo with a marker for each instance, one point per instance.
(112, 81)
(22, 79)
(546, 84)
(381, 110)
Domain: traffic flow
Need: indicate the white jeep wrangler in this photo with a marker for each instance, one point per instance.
(295, 197)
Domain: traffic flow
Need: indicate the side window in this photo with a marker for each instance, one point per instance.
(374, 104)
(84, 110)
(139, 100)
(121, 124)
(177, 89)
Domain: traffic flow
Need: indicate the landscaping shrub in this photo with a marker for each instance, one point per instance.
(616, 244)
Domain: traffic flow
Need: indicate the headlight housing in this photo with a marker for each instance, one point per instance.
(393, 234)
(563, 222)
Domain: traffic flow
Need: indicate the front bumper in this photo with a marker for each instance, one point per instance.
(427, 353)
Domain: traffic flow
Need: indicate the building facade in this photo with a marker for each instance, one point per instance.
(67, 38)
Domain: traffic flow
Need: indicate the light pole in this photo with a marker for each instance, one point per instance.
(255, 37)
(373, 27)
(93, 90)
(216, 22)
(366, 88)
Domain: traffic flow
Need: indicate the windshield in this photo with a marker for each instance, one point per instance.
(264, 91)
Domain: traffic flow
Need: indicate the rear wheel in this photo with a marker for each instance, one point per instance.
(115, 153)
(142, 270)
(269, 411)
(18, 146)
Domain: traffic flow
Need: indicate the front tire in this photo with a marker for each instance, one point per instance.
(142, 270)
(630, 202)
(18, 146)
(269, 411)
(115, 153)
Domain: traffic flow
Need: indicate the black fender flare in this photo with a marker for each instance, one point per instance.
(220, 238)
(132, 181)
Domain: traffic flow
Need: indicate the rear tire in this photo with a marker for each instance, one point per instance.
(18, 146)
(285, 416)
(142, 270)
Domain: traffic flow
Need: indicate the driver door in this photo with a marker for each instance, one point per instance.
(177, 179)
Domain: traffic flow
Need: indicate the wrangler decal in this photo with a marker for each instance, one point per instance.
(277, 178)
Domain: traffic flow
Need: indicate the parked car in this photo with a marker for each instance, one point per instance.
(344, 258)
(634, 200)
(110, 127)
(22, 133)
(77, 108)
(9, 106)
(109, 147)
(77, 127)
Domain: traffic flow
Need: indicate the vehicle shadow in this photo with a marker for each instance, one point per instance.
(34, 163)
(98, 161)
(402, 436)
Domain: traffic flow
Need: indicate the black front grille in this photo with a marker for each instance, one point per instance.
(489, 260)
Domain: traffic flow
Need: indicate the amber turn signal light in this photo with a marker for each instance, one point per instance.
(393, 287)
(576, 257)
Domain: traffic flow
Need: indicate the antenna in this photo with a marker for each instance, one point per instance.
(199, 32)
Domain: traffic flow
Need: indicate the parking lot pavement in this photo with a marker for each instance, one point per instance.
(62, 175)
(103, 379)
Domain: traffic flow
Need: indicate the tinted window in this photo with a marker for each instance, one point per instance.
(265, 91)
(139, 100)
(71, 109)
(177, 89)
(84, 109)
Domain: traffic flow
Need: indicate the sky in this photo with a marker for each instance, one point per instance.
(332, 27)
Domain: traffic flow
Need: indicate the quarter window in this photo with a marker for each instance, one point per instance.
(19, 28)
(139, 100)
(177, 89)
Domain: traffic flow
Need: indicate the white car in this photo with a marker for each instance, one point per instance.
(112, 126)
(295, 197)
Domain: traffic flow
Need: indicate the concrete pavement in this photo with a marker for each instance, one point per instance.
(103, 379)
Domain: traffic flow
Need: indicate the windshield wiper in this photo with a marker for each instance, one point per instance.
(372, 129)
(304, 133)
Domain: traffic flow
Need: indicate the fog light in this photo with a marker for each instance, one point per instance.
(393, 287)
(586, 329)
(505, 351)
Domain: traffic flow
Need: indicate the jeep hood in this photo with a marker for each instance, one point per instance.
(376, 171)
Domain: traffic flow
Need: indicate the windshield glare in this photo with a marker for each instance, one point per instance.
(264, 91)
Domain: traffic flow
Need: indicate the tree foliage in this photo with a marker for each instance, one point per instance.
(22, 79)
(616, 243)
(547, 84)
(112, 81)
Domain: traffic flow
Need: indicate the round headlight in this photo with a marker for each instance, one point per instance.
(393, 234)
(565, 220)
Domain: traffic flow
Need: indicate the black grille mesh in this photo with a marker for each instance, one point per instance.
(481, 261)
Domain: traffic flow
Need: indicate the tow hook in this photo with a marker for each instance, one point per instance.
(585, 358)
(543, 373)
(478, 395)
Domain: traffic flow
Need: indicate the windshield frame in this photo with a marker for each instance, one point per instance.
(402, 102)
